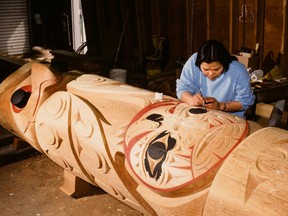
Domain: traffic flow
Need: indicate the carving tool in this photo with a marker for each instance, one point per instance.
(203, 104)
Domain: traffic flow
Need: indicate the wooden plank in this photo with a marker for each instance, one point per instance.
(210, 15)
(234, 26)
(284, 46)
(260, 28)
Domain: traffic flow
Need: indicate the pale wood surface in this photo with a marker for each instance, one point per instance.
(157, 156)
(253, 179)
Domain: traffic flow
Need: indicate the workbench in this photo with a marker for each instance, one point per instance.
(270, 92)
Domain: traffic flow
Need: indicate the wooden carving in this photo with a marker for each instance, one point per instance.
(161, 157)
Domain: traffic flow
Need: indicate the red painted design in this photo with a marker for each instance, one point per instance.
(196, 155)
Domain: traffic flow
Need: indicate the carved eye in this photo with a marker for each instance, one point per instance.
(20, 98)
(157, 150)
(197, 110)
(156, 153)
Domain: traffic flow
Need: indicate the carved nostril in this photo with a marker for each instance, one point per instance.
(20, 98)
(175, 127)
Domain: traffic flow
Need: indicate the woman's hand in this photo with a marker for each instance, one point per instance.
(231, 106)
(195, 100)
(212, 103)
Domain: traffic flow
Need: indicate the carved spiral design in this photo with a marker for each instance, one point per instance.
(90, 80)
(48, 136)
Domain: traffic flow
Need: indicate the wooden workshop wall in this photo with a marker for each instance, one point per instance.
(186, 24)
(236, 23)
(242, 24)
(273, 27)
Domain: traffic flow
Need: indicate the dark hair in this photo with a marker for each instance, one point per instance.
(214, 51)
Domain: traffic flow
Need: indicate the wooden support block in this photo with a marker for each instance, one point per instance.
(74, 186)
(19, 144)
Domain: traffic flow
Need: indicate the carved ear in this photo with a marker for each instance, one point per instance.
(40, 74)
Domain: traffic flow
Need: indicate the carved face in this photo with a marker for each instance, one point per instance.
(23, 92)
(171, 145)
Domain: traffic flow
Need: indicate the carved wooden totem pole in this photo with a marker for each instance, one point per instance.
(161, 157)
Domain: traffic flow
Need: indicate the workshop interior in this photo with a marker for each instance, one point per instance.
(145, 44)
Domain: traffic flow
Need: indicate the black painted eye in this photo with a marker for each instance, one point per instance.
(155, 117)
(156, 150)
(197, 110)
(156, 153)
(20, 98)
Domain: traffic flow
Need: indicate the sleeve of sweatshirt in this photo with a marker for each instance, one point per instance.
(187, 81)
